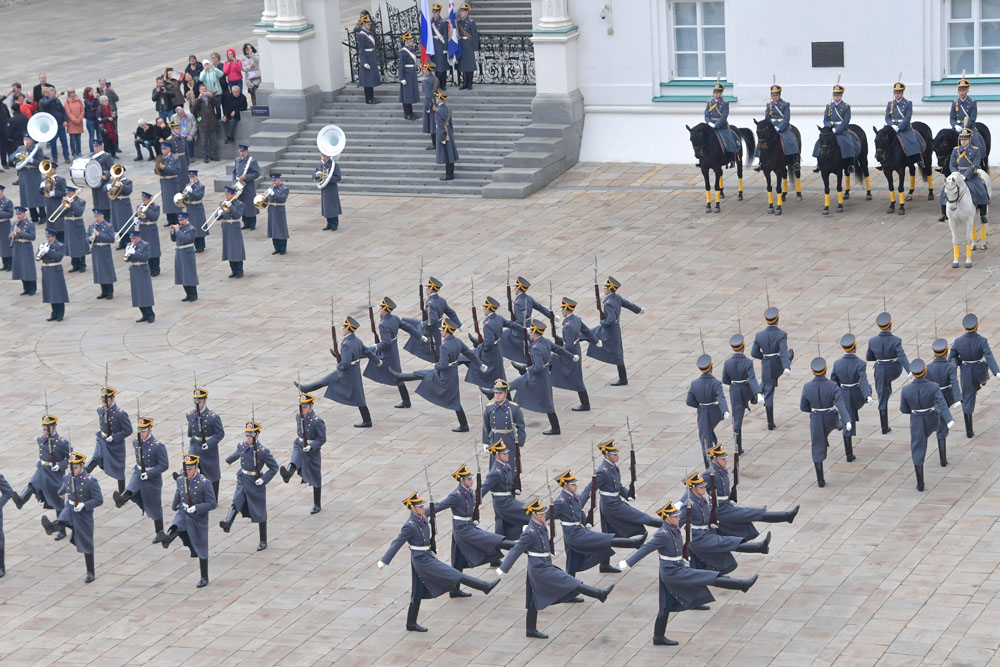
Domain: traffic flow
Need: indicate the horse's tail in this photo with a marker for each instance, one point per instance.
(984, 132)
(747, 136)
(925, 132)
(861, 161)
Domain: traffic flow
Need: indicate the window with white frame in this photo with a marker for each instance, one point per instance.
(699, 39)
(973, 37)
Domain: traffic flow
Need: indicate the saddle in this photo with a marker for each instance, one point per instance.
(923, 143)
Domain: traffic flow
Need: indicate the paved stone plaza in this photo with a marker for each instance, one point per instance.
(872, 572)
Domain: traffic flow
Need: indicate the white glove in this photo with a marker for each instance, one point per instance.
(892, 126)
(847, 426)
(712, 125)
(951, 423)
(500, 572)
(997, 375)
(600, 343)
(475, 523)
(403, 82)
(958, 128)
(956, 405)
(380, 565)
(623, 566)
(760, 398)
(378, 363)
(909, 375)
(79, 507)
(642, 311)
(259, 481)
(486, 447)
(110, 438)
(191, 509)
(205, 446)
(367, 66)
(590, 525)
(576, 357)
(55, 467)
(144, 476)
(869, 400)
(423, 339)
(184, 506)
(787, 371)
(725, 416)
(484, 367)
(307, 448)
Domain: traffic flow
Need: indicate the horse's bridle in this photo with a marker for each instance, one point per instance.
(960, 195)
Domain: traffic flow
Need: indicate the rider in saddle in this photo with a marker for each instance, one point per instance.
(963, 113)
(897, 116)
(779, 112)
(837, 116)
(716, 117)
(966, 159)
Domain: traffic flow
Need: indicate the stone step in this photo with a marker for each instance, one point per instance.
(401, 167)
(395, 113)
(395, 140)
(307, 160)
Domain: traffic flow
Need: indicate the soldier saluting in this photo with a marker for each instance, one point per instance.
(193, 500)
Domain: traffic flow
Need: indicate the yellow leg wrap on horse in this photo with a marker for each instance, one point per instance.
(930, 181)
(798, 186)
(983, 234)
(717, 196)
(779, 197)
(892, 196)
(956, 252)
(913, 182)
(740, 184)
(708, 196)
(826, 199)
(968, 250)
(847, 182)
(840, 197)
(868, 184)
(720, 182)
(770, 199)
(975, 233)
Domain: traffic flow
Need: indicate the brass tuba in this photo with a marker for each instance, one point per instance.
(331, 142)
(115, 186)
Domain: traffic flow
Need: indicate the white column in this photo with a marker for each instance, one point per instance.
(269, 14)
(555, 39)
(555, 16)
(290, 16)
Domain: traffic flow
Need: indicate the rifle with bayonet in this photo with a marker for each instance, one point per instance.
(371, 312)
(139, 458)
(597, 291)
(475, 313)
(423, 313)
(432, 520)
(107, 409)
(479, 483)
(552, 319)
(631, 454)
(593, 488)
(552, 516)
(333, 333)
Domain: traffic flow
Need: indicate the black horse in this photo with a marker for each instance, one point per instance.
(831, 162)
(947, 139)
(711, 157)
(892, 160)
(773, 160)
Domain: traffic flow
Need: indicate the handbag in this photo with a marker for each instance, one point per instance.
(253, 74)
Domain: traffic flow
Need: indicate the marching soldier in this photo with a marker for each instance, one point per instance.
(489, 352)
(966, 158)
(53, 454)
(609, 348)
(193, 500)
(851, 375)
(898, 112)
(169, 169)
(431, 578)
(771, 347)
(137, 256)
(310, 432)
(705, 395)
(944, 373)
(146, 483)
(439, 385)
(509, 515)
(83, 494)
(513, 339)
(471, 546)
(247, 171)
(6, 493)
(779, 112)
(504, 420)
(440, 29)
(886, 350)
(430, 89)
(436, 309)
(546, 583)
(406, 67)
(277, 222)
(205, 432)
(196, 209)
(329, 197)
(617, 516)
(114, 427)
(737, 520)
(568, 374)
(447, 153)
(972, 354)
(22, 235)
(6, 215)
(744, 390)
(29, 179)
(250, 498)
(824, 402)
(468, 36)
(585, 548)
(54, 290)
(77, 243)
(534, 387)
(717, 118)
(102, 237)
(837, 117)
(185, 266)
(121, 207)
(344, 384)
(681, 587)
(369, 76)
(53, 188)
(233, 250)
(924, 402)
(387, 350)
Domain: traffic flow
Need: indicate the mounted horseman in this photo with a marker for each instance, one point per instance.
(717, 144)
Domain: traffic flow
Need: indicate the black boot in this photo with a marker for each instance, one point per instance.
(404, 396)
(607, 568)
(52, 526)
(520, 368)
(479, 584)
(262, 529)
(780, 517)
(531, 625)
(819, 474)
(738, 436)
(660, 631)
(3, 568)
(121, 485)
(944, 214)
(227, 523)
(600, 594)
(553, 425)
(158, 528)
(286, 473)
(622, 377)
(968, 426)
(168, 537)
(366, 418)
(411, 618)
(761, 547)
(215, 488)
(457, 592)
(848, 449)
(883, 417)
(732, 584)
(449, 172)
(91, 465)
(317, 492)
(463, 423)
(26, 495)
(943, 452)
(629, 542)
(919, 470)
(769, 410)
(506, 545)
(584, 402)
(203, 566)
(121, 498)
(89, 560)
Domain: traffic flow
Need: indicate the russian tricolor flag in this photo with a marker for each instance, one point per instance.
(454, 46)
(426, 36)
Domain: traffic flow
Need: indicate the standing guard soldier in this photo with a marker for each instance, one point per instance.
(717, 118)
(545, 583)
(137, 256)
(972, 354)
(886, 350)
(490, 350)
(185, 266)
(441, 31)
(344, 384)
(247, 171)
(468, 36)
(100, 194)
(114, 426)
(102, 237)
(471, 546)
(330, 193)
(771, 347)
(447, 153)
(196, 209)
(406, 67)
(146, 484)
(29, 178)
(681, 587)
(121, 208)
(585, 548)
(6, 215)
(430, 89)
(193, 500)
(924, 402)
(53, 188)
(6, 493)
(277, 222)
(737, 520)
(436, 309)
(610, 349)
(53, 454)
(205, 432)
(169, 169)
(944, 373)
(509, 515)
(617, 516)
(233, 250)
(705, 395)
(824, 402)
(512, 340)
(77, 243)
(744, 390)
(369, 75)
(310, 432)
(83, 494)
(54, 290)
(898, 112)
(250, 498)
(534, 387)
(851, 375)
(503, 421)
(22, 235)
(386, 357)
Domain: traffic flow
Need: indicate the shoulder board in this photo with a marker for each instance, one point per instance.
(513, 403)
(491, 402)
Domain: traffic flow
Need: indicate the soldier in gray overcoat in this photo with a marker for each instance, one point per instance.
(6, 493)
(490, 350)
(368, 72)
(468, 38)
(277, 222)
(250, 497)
(22, 235)
(102, 237)
(193, 500)
(441, 32)
(406, 68)
(568, 374)
(53, 198)
(610, 350)
(29, 178)
(503, 420)
(310, 430)
(924, 402)
(205, 432)
(706, 396)
(972, 354)
(771, 346)
(150, 232)
(436, 308)
(329, 196)
(232, 234)
(6, 215)
(121, 208)
(945, 374)
(344, 384)
(53, 454)
(430, 88)
(185, 266)
(898, 112)
(447, 153)
(509, 513)
(99, 194)
(736, 519)
(54, 290)
(170, 171)
(617, 516)
(137, 256)
(196, 209)
(851, 375)
(387, 349)
(114, 427)
(513, 339)
(77, 243)
(83, 494)
(246, 170)
(534, 387)
(738, 374)
(146, 483)
(824, 402)
(430, 577)
(886, 350)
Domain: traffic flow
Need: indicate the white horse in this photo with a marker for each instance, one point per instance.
(962, 215)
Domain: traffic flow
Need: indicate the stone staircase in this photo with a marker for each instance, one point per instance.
(509, 17)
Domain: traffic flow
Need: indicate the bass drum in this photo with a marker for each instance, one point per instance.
(86, 172)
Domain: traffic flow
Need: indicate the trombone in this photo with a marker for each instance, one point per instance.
(63, 206)
(212, 219)
(140, 211)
